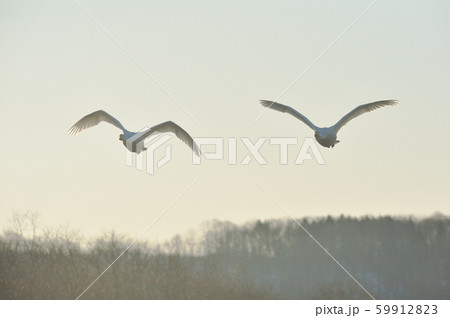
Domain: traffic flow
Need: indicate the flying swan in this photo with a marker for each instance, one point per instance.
(327, 136)
(134, 138)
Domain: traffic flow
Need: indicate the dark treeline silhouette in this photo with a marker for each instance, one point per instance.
(393, 258)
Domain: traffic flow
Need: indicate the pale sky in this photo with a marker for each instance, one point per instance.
(218, 58)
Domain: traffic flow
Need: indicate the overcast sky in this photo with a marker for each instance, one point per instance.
(218, 58)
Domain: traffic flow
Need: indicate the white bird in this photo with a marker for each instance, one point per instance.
(132, 139)
(327, 136)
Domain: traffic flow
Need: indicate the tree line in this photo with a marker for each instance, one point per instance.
(392, 258)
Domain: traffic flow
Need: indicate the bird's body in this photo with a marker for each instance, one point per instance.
(327, 136)
(133, 140)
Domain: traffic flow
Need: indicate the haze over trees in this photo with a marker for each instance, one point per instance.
(393, 258)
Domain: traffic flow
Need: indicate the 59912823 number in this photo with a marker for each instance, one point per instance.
(406, 310)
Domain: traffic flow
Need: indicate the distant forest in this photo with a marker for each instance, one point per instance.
(393, 258)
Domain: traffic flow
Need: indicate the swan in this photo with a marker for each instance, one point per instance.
(99, 116)
(327, 136)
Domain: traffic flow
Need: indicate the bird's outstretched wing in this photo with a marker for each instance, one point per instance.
(363, 109)
(170, 126)
(287, 109)
(92, 120)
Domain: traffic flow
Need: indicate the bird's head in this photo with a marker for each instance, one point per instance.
(121, 137)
